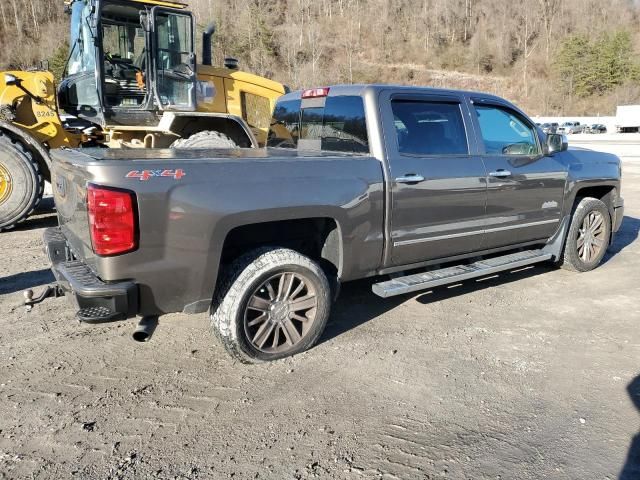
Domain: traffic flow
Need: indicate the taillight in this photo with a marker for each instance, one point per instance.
(316, 92)
(112, 220)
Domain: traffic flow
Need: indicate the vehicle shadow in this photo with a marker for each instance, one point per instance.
(628, 233)
(631, 469)
(25, 280)
(357, 304)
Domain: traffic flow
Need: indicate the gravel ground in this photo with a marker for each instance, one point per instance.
(527, 375)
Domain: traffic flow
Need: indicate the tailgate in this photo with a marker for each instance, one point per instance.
(69, 179)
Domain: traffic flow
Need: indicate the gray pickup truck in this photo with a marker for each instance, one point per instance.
(417, 186)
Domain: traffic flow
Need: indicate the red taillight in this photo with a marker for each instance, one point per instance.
(316, 92)
(112, 220)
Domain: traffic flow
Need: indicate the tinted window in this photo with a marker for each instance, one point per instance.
(285, 125)
(505, 132)
(339, 125)
(429, 128)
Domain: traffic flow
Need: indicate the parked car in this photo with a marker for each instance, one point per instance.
(549, 128)
(568, 128)
(595, 128)
(358, 181)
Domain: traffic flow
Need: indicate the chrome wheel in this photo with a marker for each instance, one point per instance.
(591, 236)
(280, 313)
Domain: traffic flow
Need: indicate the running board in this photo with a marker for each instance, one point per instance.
(446, 276)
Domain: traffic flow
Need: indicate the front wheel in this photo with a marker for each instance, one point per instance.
(271, 304)
(588, 236)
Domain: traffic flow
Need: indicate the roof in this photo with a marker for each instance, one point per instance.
(161, 3)
(158, 3)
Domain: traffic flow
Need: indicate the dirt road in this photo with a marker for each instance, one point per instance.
(528, 375)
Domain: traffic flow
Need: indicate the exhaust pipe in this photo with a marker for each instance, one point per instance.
(206, 44)
(145, 329)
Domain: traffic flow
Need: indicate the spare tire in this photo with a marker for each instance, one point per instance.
(21, 182)
(206, 139)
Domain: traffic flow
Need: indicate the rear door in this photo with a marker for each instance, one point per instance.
(438, 188)
(525, 187)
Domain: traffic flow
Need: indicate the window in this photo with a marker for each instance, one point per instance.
(505, 132)
(285, 125)
(174, 62)
(429, 128)
(339, 126)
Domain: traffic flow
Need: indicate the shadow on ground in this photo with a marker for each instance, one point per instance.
(358, 304)
(631, 469)
(25, 280)
(628, 233)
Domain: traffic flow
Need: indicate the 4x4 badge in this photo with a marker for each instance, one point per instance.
(144, 175)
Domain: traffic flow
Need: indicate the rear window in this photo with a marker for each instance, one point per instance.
(339, 126)
(429, 128)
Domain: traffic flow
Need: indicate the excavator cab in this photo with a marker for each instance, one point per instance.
(130, 61)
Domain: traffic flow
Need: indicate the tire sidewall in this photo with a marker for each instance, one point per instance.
(26, 184)
(584, 208)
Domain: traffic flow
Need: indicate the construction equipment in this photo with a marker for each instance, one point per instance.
(131, 81)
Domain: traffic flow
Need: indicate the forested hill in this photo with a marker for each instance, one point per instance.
(550, 56)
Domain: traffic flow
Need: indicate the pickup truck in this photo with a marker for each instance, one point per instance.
(418, 187)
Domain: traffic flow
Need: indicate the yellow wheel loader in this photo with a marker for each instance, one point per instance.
(131, 81)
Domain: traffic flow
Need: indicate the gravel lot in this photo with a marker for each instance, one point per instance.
(528, 375)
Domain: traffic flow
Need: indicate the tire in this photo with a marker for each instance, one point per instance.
(591, 218)
(21, 182)
(206, 139)
(249, 292)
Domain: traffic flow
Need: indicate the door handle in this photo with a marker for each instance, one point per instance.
(500, 173)
(410, 178)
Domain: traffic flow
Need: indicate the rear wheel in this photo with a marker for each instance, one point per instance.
(21, 183)
(206, 139)
(272, 303)
(588, 236)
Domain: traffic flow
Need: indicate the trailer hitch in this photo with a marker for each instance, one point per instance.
(51, 291)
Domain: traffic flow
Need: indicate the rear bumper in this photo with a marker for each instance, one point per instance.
(96, 301)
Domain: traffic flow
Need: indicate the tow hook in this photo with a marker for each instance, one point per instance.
(51, 291)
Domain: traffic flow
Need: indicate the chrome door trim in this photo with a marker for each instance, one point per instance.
(474, 232)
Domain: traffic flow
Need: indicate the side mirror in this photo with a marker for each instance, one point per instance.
(10, 80)
(557, 143)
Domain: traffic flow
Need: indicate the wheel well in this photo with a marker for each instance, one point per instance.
(604, 193)
(317, 238)
(187, 126)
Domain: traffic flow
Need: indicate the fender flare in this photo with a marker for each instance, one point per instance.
(29, 141)
(169, 120)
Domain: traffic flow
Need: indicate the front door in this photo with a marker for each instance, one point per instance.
(525, 187)
(438, 188)
(174, 60)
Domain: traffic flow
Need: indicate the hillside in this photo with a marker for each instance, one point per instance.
(551, 56)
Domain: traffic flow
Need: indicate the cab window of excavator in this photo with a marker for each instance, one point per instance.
(82, 58)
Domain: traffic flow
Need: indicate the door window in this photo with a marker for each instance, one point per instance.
(174, 59)
(506, 132)
(429, 128)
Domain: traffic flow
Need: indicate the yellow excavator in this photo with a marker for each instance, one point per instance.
(131, 81)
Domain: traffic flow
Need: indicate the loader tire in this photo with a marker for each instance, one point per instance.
(206, 139)
(21, 182)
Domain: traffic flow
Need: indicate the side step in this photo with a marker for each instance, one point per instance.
(458, 273)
